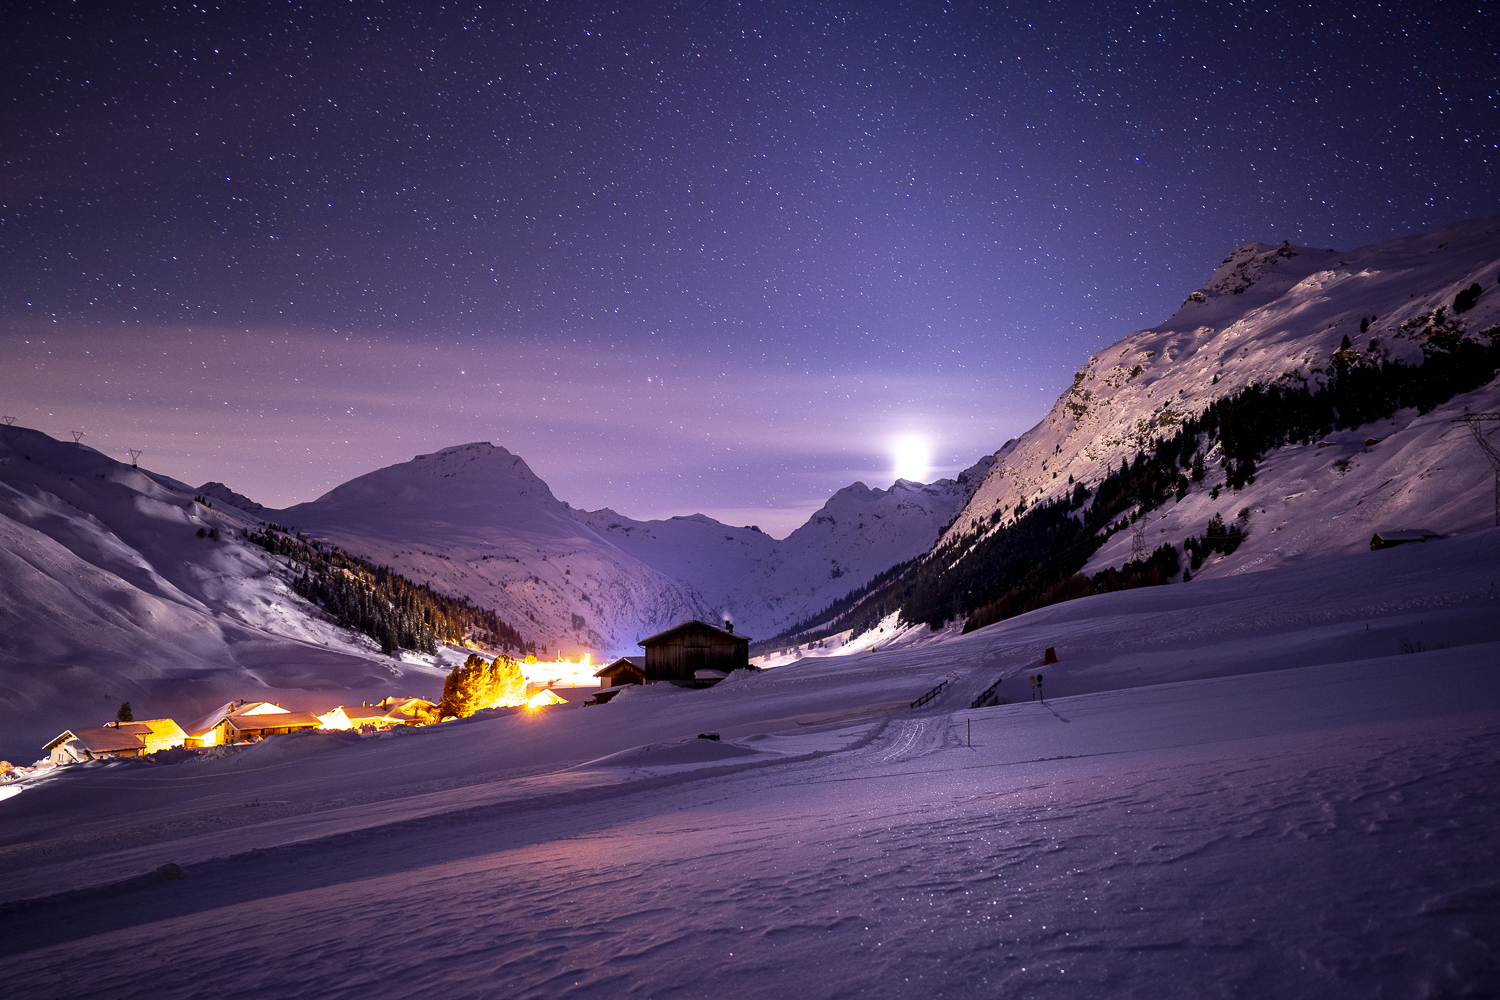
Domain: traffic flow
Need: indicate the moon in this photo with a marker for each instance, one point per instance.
(912, 457)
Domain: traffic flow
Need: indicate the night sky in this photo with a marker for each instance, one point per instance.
(681, 257)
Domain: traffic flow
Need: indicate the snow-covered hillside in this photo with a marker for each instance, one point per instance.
(474, 520)
(1267, 313)
(108, 594)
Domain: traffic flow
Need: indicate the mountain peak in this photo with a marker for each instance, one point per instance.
(474, 449)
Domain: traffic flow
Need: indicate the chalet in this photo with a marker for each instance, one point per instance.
(1387, 539)
(358, 717)
(122, 739)
(244, 728)
(239, 721)
(625, 670)
(410, 711)
(389, 712)
(158, 734)
(695, 654)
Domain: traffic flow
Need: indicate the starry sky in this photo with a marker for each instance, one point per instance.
(705, 256)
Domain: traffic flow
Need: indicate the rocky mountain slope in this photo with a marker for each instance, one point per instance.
(1267, 314)
(1420, 311)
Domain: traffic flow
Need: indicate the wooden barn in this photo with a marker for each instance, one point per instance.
(695, 654)
(625, 670)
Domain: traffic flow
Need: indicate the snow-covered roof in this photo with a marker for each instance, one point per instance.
(624, 664)
(212, 719)
(1406, 535)
(691, 623)
(281, 720)
(101, 739)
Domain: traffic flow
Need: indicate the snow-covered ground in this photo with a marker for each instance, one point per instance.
(1243, 786)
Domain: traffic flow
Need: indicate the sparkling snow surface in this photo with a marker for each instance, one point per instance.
(1237, 787)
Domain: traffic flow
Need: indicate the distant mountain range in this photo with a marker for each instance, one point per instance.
(477, 521)
(109, 593)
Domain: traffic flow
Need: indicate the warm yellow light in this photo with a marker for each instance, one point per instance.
(543, 698)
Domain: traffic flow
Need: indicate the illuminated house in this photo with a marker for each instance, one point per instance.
(241, 721)
(390, 712)
(695, 654)
(124, 739)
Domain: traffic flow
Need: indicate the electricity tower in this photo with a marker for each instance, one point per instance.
(1475, 420)
(77, 436)
(1138, 532)
(8, 419)
(135, 455)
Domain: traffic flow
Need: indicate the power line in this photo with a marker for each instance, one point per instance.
(1475, 420)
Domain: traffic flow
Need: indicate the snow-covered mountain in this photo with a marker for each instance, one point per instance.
(109, 594)
(1267, 313)
(474, 520)
(765, 585)
(858, 534)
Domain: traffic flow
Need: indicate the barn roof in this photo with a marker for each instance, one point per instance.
(691, 623)
(625, 664)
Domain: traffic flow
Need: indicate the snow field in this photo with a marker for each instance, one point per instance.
(1231, 791)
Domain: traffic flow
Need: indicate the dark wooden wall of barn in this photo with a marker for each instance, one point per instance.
(677, 656)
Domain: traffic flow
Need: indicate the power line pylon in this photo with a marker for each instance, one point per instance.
(135, 456)
(77, 436)
(1475, 422)
(1138, 532)
(8, 419)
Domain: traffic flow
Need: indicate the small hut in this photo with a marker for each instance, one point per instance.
(625, 670)
(1401, 536)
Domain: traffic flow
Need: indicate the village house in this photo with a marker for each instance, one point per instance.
(121, 739)
(242, 721)
(389, 712)
(695, 654)
(411, 711)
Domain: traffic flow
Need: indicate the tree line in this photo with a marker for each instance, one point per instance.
(381, 603)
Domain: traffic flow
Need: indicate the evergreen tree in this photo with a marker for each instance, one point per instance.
(124, 714)
(477, 685)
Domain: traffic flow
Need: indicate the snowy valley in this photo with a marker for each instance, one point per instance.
(1272, 774)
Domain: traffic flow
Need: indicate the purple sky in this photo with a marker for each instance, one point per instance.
(700, 257)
